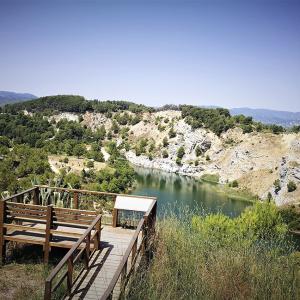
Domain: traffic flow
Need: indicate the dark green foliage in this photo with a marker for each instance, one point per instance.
(165, 142)
(291, 186)
(180, 152)
(136, 119)
(165, 154)
(276, 129)
(172, 133)
(23, 129)
(178, 161)
(64, 103)
(22, 162)
(217, 120)
(277, 185)
(234, 184)
(90, 164)
(198, 151)
(79, 150)
(115, 127)
(295, 128)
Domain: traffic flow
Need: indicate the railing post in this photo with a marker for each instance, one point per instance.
(70, 274)
(36, 195)
(115, 217)
(75, 201)
(97, 239)
(48, 235)
(87, 250)
(47, 294)
(2, 231)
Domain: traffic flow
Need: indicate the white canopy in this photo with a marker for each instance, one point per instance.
(133, 203)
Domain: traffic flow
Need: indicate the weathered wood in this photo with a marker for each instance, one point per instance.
(2, 231)
(36, 196)
(115, 218)
(48, 235)
(75, 211)
(27, 206)
(10, 198)
(85, 238)
(97, 235)
(70, 274)
(76, 200)
(87, 250)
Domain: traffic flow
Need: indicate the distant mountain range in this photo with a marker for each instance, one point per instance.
(12, 97)
(268, 116)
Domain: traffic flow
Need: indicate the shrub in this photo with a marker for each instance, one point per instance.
(178, 161)
(90, 164)
(165, 142)
(234, 184)
(291, 186)
(66, 160)
(165, 154)
(180, 152)
(215, 257)
(172, 133)
(198, 151)
(207, 157)
(277, 185)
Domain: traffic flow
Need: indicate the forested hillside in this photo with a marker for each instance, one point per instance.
(201, 142)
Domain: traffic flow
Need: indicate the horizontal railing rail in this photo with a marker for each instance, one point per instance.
(70, 259)
(19, 197)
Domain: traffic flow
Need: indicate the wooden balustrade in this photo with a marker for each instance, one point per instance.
(83, 245)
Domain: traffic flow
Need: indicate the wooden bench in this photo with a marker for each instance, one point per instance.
(45, 225)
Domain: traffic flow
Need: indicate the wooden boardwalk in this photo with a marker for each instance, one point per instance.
(92, 283)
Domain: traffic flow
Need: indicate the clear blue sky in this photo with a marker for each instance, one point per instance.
(227, 53)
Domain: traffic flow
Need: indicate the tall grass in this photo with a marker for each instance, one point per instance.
(189, 263)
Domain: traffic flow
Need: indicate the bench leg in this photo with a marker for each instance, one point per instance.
(2, 252)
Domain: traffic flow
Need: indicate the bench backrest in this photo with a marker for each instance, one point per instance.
(38, 213)
(73, 216)
(20, 211)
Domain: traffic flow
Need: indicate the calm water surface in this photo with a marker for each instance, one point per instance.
(177, 193)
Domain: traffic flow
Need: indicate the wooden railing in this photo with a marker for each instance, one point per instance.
(71, 258)
(137, 248)
(32, 194)
(81, 200)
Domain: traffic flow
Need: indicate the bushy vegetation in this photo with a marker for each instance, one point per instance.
(216, 257)
(219, 120)
(22, 165)
(291, 186)
(74, 103)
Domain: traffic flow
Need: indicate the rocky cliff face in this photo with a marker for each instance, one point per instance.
(255, 160)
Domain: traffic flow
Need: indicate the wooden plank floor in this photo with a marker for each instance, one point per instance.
(92, 283)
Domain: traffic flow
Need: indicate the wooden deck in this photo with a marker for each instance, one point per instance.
(92, 283)
(105, 257)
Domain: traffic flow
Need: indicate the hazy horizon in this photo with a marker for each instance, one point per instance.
(233, 54)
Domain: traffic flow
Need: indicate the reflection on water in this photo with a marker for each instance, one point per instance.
(177, 193)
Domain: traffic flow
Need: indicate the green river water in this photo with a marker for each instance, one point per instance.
(179, 194)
